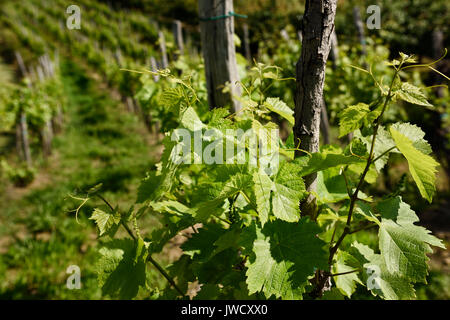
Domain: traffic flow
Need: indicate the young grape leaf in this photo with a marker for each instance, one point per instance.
(278, 106)
(415, 134)
(354, 117)
(421, 166)
(412, 94)
(105, 221)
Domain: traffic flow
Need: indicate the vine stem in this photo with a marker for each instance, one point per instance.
(149, 257)
(164, 273)
(343, 273)
(382, 154)
(354, 196)
(154, 263)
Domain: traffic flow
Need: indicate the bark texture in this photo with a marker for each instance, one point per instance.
(318, 26)
(219, 52)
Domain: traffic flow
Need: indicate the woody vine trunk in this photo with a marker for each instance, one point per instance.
(318, 26)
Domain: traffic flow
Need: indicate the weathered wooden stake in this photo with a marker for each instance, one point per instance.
(162, 46)
(21, 64)
(178, 36)
(22, 123)
(24, 135)
(318, 24)
(219, 52)
(154, 68)
(248, 53)
(360, 29)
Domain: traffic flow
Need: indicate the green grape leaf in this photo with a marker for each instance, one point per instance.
(263, 186)
(331, 186)
(354, 117)
(281, 108)
(171, 96)
(403, 252)
(230, 239)
(323, 160)
(237, 183)
(171, 226)
(119, 273)
(346, 283)
(148, 187)
(172, 207)
(383, 143)
(415, 134)
(181, 269)
(378, 279)
(200, 244)
(288, 189)
(105, 221)
(421, 166)
(412, 94)
(404, 245)
(190, 120)
(284, 256)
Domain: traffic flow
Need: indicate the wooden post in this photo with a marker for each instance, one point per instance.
(318, 24)
(360, 29)
(219, 52)
(47, 130)
(129, 104)
(118, 57)
(154, 68)
(21, 64)
(178, 36)
(162, 46)
(284, 34)
(19, 147)
(22, 123)
(40, 73)
(58, 120)
(248, 53)
(24, 135)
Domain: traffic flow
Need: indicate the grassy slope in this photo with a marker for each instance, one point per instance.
(39, 236)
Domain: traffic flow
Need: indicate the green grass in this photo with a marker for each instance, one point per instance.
(39, 234)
